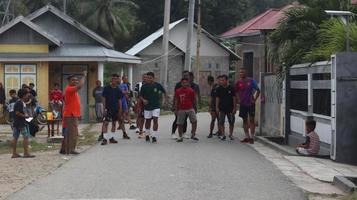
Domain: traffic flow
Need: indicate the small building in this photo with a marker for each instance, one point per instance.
(215, 58)
(252, 37)
(47, 46)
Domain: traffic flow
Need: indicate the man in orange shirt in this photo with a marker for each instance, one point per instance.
(72, 112)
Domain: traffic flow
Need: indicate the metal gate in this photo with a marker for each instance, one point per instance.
(271, 114)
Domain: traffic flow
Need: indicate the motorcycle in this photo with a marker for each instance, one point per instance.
(40, 115)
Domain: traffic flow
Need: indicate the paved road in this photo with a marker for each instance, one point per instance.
(207, 170)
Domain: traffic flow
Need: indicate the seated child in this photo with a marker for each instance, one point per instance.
(311, 146)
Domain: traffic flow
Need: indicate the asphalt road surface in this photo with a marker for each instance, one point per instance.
(137, 170)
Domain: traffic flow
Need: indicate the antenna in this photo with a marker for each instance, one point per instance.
(5, 12)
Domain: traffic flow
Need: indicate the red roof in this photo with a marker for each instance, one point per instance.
(268, 20)
(354, 2)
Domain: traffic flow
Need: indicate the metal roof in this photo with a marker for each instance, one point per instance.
(82, 53)
(38, 29)
(269, 20)
(71, 21)
(159, 33)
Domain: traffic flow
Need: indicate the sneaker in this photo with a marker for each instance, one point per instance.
(125, 136)
(186, 136)
(154, 140)
(137, 130)
(174, 136)
(100, 138)
(132, 127)
(104, 142)
(245, 140)
(179, 139)
(216, 133)
(112, 141)
(194, 138)
(231, 137)
(251, 141)
(223, 137)
(210, 135)
(147, 138)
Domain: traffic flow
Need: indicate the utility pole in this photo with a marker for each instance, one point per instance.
(165, 44)
(191, 14)
(199, 29)
(65, 6)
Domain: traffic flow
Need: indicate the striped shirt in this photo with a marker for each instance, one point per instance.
(314, 146)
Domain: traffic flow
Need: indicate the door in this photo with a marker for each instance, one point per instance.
(83, 93)
(248, 63)
(204, 87)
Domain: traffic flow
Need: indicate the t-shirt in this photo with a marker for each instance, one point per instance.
(72, 106)
(226, 96)
(112, 97)
(194, 86)
(11, 106)
(213, 96)
(97, 94)
(153, 93)
(19, 122)
(314, 140)
(125, 90)
(56, 95)
(186, 98)
(245, 89)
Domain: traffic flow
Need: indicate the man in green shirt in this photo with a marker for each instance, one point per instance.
(151, 95)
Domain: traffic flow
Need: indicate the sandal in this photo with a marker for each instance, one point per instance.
(16, 156)
(29, 156)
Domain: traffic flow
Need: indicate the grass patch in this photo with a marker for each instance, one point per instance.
(5, 147)
(353, 196)
(89, 139)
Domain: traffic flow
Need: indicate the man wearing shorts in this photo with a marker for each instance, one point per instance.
(184, 108)
(112, 97)
(226, 106)
(248, 92)
(151, 95)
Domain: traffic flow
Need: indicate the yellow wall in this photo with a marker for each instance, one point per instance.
(42, 84)
(23, 48)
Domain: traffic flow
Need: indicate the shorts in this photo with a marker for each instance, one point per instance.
(222, 118)
(247, 111)
(25, 132)
(112, 115)
(149, 114)
(183, 114)
(302, 151)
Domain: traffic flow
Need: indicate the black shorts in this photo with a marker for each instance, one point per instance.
(112, 115)
(247, 111)
(222, 118)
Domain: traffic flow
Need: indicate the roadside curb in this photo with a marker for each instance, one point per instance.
(344, 184)
(276, 146)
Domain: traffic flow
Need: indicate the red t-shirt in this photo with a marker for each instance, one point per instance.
(72, 106)
(56, 95)
(186, 98)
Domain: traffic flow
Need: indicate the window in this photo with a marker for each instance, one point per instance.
(299, 99)
(298, 78)
(18, 74)
(322, 101)
(321, 76)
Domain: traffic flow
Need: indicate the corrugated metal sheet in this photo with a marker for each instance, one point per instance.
(150, 39)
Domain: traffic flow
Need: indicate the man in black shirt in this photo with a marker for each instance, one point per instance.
(212, 104)
(20, 126)
(226, 105)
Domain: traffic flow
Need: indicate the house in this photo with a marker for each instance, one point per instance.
(47, 46)
(252, 37)
(215, 58)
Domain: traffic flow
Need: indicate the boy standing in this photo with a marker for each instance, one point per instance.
(20, 125)
(311, 146)
(226, 106)
(247, 94)
(151, 95)
(184, 108)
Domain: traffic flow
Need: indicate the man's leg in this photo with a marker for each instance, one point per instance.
(75, 135)
(213, 121)
(26, 146)
(174, 125)
(222, 117)
(105, 137)
(14, 143)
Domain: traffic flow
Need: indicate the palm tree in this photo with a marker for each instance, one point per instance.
(106, 16)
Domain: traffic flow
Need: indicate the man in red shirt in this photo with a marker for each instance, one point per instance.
(185, 98)
(72, 112)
